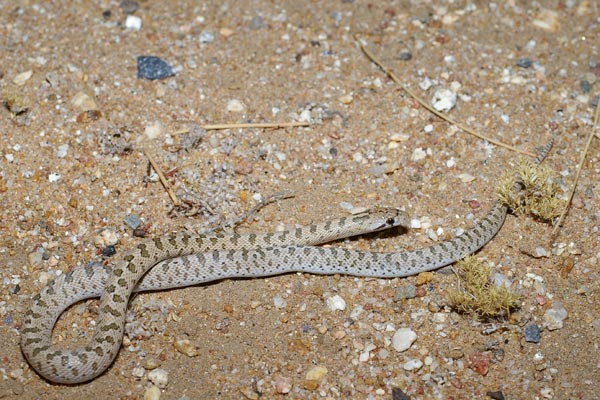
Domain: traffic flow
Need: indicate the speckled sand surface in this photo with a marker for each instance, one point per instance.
(520, 72)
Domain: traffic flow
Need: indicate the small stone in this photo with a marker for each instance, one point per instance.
(405, 55)
(153, 130)
(106, 237)
(206, 37)
(84, 102)
(54, 177)
(314, 377)
(249, 393)
(235, 105)
(129, 6)
(532, 333)
(585, 86)
(418, 154)
(336, 303)
(159, 377)
(152, 67)
(423, 278)
(22, 77)
(346, 99)
(109, 251)
(133, 23)
(151, 363)
(443, 100)
(279, 302)
(411, 365)
(138, 372)
(132, 221)
(540, 252)
(283, 384)
(548, 20)
(479, 363)
(184, 346)
(407, 291)
(152, 393)
(403, 338)
(554, 317)
(257, 22)
(466, 178)
(524, 62)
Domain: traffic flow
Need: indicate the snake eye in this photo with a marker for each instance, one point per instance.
(390, 221)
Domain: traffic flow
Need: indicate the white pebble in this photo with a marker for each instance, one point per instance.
(443, 100)
(418, 154)
(133, 23)
(22, 77)
(62, 151)
(466, 178)
(186, 347)
(159, 377)
(403, 339)
(425, 84)
(235, 105)
(335, 303)
(152, 393)
(107, 237)
(346, 206)
(554, 317)
(413, 364)
(138, 372)
(153, 130)
(53, 177)
(415, 223)
(279, 302)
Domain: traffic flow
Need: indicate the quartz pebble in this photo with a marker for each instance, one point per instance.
(235, 105)
(152, 393)
(159, 377)
(184, 346)
(314, 377)
(443, 100)
(133, 23)
(283, 384)
(412, 365)
(554, 317)
(403, 338)
(336, 303)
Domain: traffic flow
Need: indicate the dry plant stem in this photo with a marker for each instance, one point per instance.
(163, 180)
(247, 125)
(579, 168)
(270, 199)
(391, 74)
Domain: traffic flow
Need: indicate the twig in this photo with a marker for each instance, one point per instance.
(393, 76)
(247, 125)
(579, 168)
(163, 180)
(268, 200)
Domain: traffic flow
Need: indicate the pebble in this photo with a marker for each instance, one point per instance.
(532, 333)
(159, 377)
(138, 372)
(423, 278)
(53, 177)
(283, 384)
(184, 346)
(336, 303)
(106, 237)
(257, 22)
(408, 291)
(554, 317)
(151, 363)
(479, 363)
(235, 105)
(153, 130)
(548, 20)
(413, 364)
(152, 393)
(133, 23)
(129, 6)
(524, 62)
(206, 37)
(152, 67)
(405, 56)
(132, 221)
(279, 302)
(403, 338)
(466, 177)
(84, 102)
(22, 77)
(314, 377)
(418, 154)
(443, 100)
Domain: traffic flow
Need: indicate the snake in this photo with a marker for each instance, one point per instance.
(182, 259)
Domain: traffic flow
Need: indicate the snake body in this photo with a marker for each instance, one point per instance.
(114, 286)
(182, 259)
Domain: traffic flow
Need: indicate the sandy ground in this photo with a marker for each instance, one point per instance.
(521, 74)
